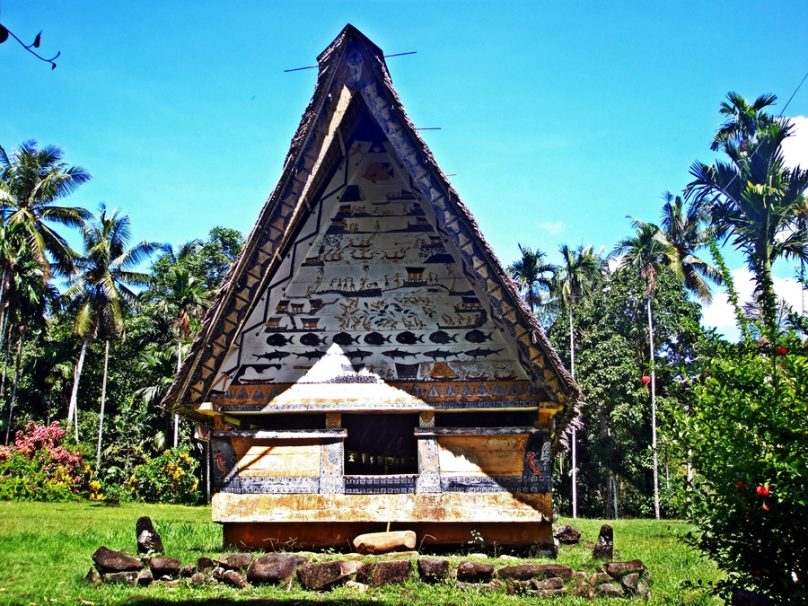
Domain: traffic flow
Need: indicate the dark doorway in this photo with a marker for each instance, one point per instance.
(381, 444)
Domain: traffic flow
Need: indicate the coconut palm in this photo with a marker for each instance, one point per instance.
(32, 180)
(101, 290)
(185, 298)
(648, 252)
(580, 270)
(755, 200)
(533, 275)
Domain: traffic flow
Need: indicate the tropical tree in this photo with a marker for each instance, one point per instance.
(683, 228)
(102, 292)
(648, 252)
(533, 275)
(743, 120)
(185, 298)
(580, 271)
(754, 198)
(32, 180)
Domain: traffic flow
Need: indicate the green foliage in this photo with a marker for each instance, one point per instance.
(167, 478)
(38, 467)
(748, 438)
(611, 357)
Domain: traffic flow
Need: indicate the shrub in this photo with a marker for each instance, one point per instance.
(748, 437)
(168, 478)
(38, 467)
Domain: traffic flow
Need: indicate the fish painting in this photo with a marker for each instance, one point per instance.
(274, 355)
(343, 338)
(409, 338)
(378, 171)
(441, 337)
(398, 353)
(482, 353)
(278, 340)
(254, 372)
(311, 355)
(358, 353)
(478, 336)
(376, 338)
(439, 353)
(311, 340)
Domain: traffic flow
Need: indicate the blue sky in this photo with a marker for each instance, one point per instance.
(558, 118)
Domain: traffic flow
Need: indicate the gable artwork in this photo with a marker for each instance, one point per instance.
(367, 361)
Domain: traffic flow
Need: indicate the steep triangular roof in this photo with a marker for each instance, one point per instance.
(353, 82)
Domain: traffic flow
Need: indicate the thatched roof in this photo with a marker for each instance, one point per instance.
(352, 70)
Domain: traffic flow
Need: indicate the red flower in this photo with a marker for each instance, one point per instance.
(763, 490)
(646, 379)
(740, 485)
(781, 351)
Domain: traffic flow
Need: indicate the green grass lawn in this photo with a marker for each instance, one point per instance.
(46, 548)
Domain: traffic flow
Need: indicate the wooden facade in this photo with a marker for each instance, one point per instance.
(367, 362)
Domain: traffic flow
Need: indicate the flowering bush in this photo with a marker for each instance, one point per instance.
(168, 478)
(747, 434)
(39, 468)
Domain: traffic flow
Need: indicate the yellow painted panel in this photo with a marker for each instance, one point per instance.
(490, 455)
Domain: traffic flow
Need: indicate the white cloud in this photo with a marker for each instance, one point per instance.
(795, 147)
(552, 227)
(720, 315)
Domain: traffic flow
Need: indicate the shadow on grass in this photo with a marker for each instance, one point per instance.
(144, 601)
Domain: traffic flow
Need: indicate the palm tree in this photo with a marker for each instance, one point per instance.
(31, 181)
(755, 200)
(101, 290)
(186, 298)
(683, 229)
(580, 271)
(744, 120)
(533, 275)
(648, 251)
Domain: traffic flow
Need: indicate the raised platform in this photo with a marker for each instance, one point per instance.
(267, 521)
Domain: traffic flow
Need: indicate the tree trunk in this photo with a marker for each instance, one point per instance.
(176, 416)
(14, 389)
(574, 448)
(103, 402)
(72, 410)
(653, 408)
(4, 281)
(5, 360)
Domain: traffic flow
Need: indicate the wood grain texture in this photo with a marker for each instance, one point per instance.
(404, 508)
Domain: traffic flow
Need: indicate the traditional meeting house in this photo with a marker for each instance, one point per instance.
(368, 364)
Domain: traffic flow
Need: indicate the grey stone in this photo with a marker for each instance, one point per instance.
(107, 560)
(128, 577)
(433, 570)
(273, 568)
(145, 577)
(551, 583)
(148, 539)
(611, 590)
(604, 546)
(474, 572)
(584, 590)
(324, 575)
(188, 570)
(93, 577)
(164, 567)
(567, 534)
(524, 572)
(390, 572)
(234, 579)
(235, 561)
(599, 577)
(490, 586)
(198, 578)
(619, 569)
(548, 593)
(356, 586)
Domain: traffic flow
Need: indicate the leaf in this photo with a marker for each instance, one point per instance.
(37, 40)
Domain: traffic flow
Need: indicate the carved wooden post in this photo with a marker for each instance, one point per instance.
(332, 459)
(428, 458)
